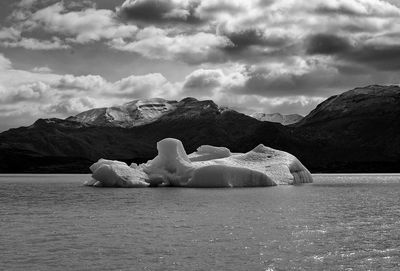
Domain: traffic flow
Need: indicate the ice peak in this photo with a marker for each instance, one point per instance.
(130, 114)
(144, 111)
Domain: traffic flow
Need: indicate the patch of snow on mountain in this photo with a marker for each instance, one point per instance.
(277, 117)
(135, 113)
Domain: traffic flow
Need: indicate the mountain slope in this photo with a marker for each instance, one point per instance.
(363, 102)
(357, 131)
(135, 113)
(277, 117)
(194, 122)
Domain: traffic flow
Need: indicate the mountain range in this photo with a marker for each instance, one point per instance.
(278, 117)
(356, 131)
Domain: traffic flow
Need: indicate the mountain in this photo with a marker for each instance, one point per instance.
(135, 113)
(277, 117)
(368, 102)
(70, 145)
(357, 131)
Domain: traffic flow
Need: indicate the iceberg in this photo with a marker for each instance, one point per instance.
(208, 167)
(108, 173)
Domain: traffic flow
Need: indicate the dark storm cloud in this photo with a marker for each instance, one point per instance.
(248, 37)
(221, 7)
(265, 84)
(341, 9)
(203, 81)
(159, 11)
(355, 27)
(289, 84)
(376, 57)
(327, 44)
(297, 77)
(356, 8)
(351, 68)
(359, 57)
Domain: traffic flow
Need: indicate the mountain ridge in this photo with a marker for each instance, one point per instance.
(375, 98)
(351, 132)
(278, 117)
(130, 114)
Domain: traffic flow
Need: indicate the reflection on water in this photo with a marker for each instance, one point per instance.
(341, 222)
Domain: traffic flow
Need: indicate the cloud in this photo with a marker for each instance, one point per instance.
(11, 37)
(63, 25)
(5, 63)
(252, 103)
(26, 3)
(82, 26)
(42, 70)
(81, 83)
(374, 53)
(142, 86)
(9, 33)
(314, 76)
(41, 94)
(203, 79)
(69, 107)
(209, 83)
(157, 44)
(252, 36)
(327, 44)
(295, 77)
(35, 44)
(211, 9)
(377, 57)
(45, 94)
(157, 11)
(356, 8)
(240, 53)
(206, 31)
(28, 92)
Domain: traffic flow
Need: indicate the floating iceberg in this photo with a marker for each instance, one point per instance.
(110, 173)
(209, 166)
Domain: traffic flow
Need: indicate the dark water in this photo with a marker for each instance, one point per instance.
(52, 222)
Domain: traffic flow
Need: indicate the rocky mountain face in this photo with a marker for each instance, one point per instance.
(277, 117)
(371, 101)
(357, 131)
(135, 113)
(56, 145)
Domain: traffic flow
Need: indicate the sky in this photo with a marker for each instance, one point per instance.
(59, 58)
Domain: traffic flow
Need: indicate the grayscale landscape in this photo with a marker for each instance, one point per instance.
(199, 135)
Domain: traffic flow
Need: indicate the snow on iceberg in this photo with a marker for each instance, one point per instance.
(207, 152)
(110, 173)
(209, 166)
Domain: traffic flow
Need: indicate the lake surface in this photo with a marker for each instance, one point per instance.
(340, 222)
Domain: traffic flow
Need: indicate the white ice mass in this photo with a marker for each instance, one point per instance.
(135, 113)
(209, 166)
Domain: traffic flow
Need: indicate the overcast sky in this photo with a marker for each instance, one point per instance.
(58, 58)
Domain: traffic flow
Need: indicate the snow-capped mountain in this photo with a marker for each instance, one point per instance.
(141, 112)
(277, 117)
(131, 114)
